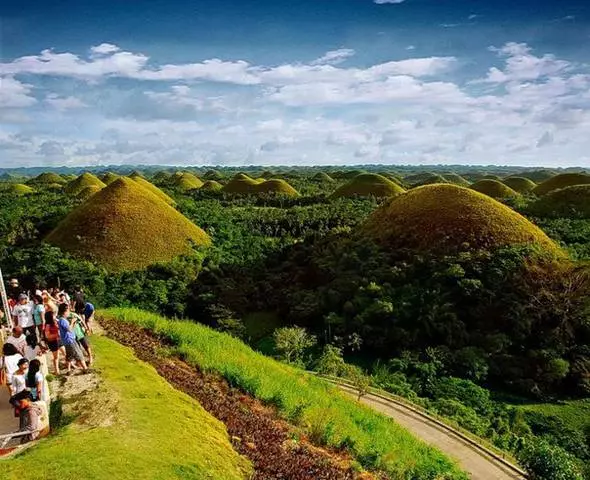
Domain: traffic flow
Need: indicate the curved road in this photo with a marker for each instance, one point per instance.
(475, 461)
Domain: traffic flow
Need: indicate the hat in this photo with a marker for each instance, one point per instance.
(23, 296)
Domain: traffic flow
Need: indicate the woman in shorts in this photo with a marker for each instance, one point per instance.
(53, 340)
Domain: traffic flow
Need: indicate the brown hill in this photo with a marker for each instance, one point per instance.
(126, 227)
(447, 218)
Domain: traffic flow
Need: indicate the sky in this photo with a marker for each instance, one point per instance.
(299, 82)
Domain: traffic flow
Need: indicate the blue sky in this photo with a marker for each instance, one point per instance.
(295, 82)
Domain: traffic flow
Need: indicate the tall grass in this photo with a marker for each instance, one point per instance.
(324, 413)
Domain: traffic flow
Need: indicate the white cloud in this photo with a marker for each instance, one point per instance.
(104, 49)
(14, 94)
(64, 103)
(334, 57)
(522, 65)
(385, 2)
(399, 111)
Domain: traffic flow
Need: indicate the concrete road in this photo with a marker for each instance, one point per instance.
(477, 463)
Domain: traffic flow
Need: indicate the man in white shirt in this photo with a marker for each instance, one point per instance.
(23, 315)
(18, 339)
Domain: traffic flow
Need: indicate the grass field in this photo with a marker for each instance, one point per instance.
(157, 433)
(324, 414)
(574, 413)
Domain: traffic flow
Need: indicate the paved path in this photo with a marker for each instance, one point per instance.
(478, 464)
(8, 422)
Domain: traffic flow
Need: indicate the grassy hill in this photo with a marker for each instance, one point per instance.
(146, 430)
(447, 218)
(368, 184)
(313, 404)
(125, 227)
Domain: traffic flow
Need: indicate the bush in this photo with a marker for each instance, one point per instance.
(546, 462)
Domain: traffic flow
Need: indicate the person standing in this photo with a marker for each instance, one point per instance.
(22, 314)
(18, 339)
(68, 338)
(38, 315)
(89, 317)
(51, 335)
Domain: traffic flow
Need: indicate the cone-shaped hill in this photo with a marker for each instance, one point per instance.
(241, 183)
(323, 177)
(126, 227)
(431, 179)
(368, 184)
(493, 188)
(211, 186)
(277, 187)
(538, 176)
(456, 179)
(152, 188)
(19, 189)
(565, 202)
(83, 181)
(109, 178)
(186, 182)
(87, 192)
(563, 180)
(213, 175)
(520, 184)
(445, 219)
(46, 178)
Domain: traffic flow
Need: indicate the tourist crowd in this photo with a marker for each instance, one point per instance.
(42, 321)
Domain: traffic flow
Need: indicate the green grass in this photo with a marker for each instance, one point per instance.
(159, 433)
(574, 413)
(324, 413)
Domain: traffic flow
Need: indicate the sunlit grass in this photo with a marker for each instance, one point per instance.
(324, 413)
(157, 433)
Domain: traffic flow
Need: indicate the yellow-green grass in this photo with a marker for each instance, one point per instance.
(109, 178)
(538, 176)
(563, 180)
(80, 183)
(19, 189)
(126, 227)
(447, 218)
(565, 202)
(88, 192)
(46, 178)
(277, 187)
(574, 413)
(156, 433)
(350, 174)
(323, 177)
(493, 188)
(431, 179)
(456, 179)
(490, 176)
(213, 175)
(211, 186)
(417, 178)
(136, 173)
(153, 189)
(367, 185)
(186, 182)
(56, 187)
(520, 184)
(314, 404)
(241, 184)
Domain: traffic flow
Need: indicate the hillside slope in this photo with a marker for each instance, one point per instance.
(134, 426)
(314, 405)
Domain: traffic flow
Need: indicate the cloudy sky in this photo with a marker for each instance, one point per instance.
(236, 82)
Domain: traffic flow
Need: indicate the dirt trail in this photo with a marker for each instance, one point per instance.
(275, 448)
(478, 465)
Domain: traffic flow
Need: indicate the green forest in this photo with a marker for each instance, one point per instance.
(464, 290)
